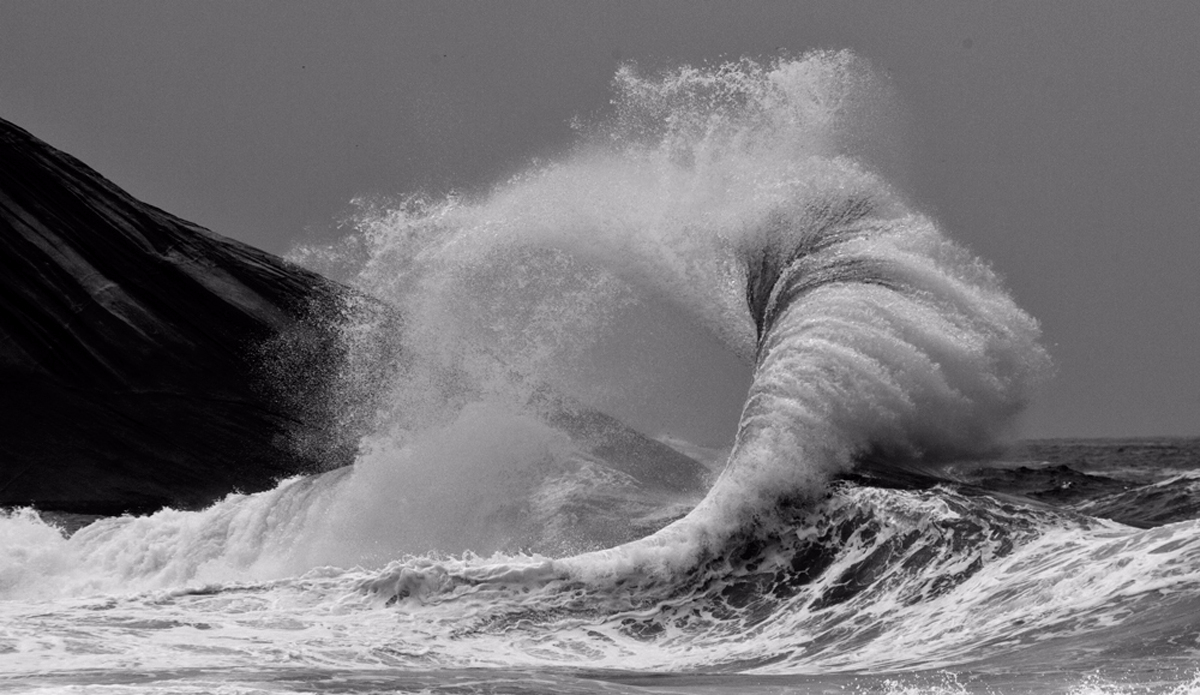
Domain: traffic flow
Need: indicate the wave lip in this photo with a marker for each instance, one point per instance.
(877, 336)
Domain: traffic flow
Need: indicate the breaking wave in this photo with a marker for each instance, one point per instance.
(679, 398)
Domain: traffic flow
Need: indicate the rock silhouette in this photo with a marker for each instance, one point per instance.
(140, 354)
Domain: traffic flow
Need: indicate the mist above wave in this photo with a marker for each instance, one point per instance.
(720, 232)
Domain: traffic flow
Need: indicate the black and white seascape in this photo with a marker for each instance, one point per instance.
(551, 495)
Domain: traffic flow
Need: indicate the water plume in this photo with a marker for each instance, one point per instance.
(734, 199)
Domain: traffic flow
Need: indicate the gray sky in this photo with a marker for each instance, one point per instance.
(1060, 141)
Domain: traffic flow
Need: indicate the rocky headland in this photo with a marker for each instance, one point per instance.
(146, 361)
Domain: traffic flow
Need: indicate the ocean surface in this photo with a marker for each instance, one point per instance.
(700, 405)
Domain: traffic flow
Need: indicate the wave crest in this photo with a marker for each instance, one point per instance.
(719, 211)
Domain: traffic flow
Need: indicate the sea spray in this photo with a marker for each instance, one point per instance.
(736, 195)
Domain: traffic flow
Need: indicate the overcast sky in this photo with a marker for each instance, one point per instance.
(1060, 141)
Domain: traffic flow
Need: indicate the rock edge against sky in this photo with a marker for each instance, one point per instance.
(133, 372)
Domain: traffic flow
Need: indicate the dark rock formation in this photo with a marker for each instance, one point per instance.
(138, 350)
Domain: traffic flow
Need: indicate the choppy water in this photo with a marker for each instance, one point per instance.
(985, 579)
(826, 505)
